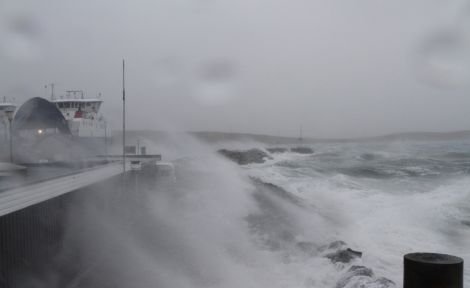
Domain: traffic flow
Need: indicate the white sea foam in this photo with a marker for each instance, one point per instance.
(384, 218)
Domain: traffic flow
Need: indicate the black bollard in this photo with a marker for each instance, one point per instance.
(432, 270)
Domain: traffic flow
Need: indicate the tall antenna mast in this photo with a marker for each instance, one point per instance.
(123, 118)
(52, 90)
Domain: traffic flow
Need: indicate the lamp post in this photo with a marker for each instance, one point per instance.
(9, 113)
(106, 139)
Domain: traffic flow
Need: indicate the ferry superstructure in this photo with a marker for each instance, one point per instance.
(82, 114)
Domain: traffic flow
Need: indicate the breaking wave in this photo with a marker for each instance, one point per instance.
(384, 200)
(343, 216)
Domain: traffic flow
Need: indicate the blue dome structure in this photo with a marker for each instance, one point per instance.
(38, 113)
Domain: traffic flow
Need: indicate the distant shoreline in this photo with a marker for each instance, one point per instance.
(214, 137)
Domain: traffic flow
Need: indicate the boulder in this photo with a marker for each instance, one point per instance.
(358, 274)
(383, 282)
(343, 255)
(361, 276)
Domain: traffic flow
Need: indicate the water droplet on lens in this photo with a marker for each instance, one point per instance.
(446, 58)
(24, 25)
(215, 83)
(20, 42)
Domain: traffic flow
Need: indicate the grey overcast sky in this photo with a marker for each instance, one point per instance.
(338, 68)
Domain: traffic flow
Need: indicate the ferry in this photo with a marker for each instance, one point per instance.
(82, 114)
(6, 108)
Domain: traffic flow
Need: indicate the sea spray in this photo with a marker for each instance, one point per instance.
(192, 233)
(292, 221)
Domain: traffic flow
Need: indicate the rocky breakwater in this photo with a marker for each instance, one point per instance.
(243, 157)
(347, 261)
(355, 275)
(277, 149)
(302, 150)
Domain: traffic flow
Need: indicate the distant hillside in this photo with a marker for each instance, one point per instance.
(210, 137)
(408, 136)
(425, 136)
(215, 137)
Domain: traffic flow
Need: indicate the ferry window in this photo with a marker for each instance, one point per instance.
(67, 105)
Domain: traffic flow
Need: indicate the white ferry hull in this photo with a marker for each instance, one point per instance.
(88, 128)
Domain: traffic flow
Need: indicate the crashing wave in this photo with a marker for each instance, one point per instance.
(360, 276)
(357, 276)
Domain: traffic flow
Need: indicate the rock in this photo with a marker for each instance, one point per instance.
(360, 277)
(358, 270)
(358, 274)
(383, 282)
(246, 157)
(343, 255)
(302, 150)
(276, 150)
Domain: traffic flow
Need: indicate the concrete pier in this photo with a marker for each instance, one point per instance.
(34, 219)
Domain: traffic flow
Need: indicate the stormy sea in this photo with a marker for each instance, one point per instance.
(384, 200)
(248, 214)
